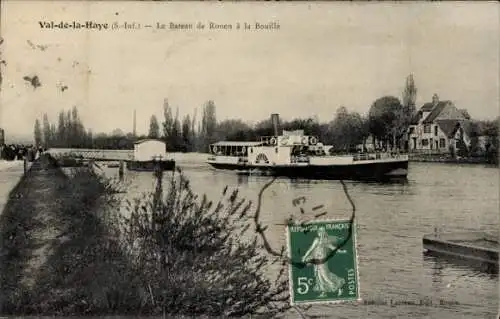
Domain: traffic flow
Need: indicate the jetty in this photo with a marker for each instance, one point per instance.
(146, 155)
(475, 246)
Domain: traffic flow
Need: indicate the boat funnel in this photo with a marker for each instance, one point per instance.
(275, 121)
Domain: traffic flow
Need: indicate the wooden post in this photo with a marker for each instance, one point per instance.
(120, 171)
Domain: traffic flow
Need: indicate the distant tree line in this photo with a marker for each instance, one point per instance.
(387, 122)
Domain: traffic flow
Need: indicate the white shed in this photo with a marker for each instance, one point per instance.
(148, 149)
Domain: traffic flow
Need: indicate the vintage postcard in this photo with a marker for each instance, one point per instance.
(249, 159)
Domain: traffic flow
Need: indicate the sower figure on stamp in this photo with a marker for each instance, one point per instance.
(325, 280)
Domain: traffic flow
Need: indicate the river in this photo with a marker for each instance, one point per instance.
(391, 219)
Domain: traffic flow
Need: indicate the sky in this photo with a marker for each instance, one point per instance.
(324, 55)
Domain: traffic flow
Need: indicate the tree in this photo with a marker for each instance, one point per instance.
(474, 149)
(168, 124)
(208, 125)
(117, 133)
(386, 120)
(347, 129)
(309, 125)
(490, 129)
(194, 134)
(154, 127)
(38, 133)
(53, 134)
(69, 130)
(186, 134)
(176, 131)
(61, 130)
(234, 130)
(409, 106)
(47, 136)
(409, 96)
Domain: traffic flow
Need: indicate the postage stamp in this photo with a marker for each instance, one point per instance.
(324, 265)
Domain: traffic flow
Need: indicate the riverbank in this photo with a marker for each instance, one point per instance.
(57, 257)
(438, 158)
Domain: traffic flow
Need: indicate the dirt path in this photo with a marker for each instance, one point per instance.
(28, 226)
(57, 257)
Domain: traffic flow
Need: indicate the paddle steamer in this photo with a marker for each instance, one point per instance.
(296, 155)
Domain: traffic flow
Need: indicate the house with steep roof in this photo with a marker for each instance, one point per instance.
(440, 127)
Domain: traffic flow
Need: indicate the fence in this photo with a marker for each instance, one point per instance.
(94, 154)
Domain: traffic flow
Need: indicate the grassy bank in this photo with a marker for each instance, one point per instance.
(440, 158)
(61, 252)
(57, 256)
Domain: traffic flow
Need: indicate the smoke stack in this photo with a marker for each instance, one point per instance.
(275, 120)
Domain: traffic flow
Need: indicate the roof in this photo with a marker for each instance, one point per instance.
(435, 111)
(427, 107)
(148, 140)
(237, 143)
(450, 127)
(415, 118)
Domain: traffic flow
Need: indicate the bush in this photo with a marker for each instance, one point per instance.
(193, 258)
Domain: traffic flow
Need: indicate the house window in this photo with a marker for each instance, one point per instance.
(412, 130)
(276, 150)
(425, 142)
(436, 130)
(442, 143)
(427, 128)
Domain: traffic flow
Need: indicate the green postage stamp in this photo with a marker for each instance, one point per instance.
(320, 272)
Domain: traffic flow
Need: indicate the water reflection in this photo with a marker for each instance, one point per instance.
(438, 263)
(242, 180)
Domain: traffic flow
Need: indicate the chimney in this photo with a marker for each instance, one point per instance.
(435, 99)
(275, 121)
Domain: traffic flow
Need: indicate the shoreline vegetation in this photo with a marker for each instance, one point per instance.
(67, 250)
(383, 128)
(447, 159)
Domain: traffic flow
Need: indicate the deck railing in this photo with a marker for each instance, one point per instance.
(378, 156)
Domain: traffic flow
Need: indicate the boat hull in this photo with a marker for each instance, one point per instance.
(359, 171)
(149, 166)
(474, 246)
(232, 167)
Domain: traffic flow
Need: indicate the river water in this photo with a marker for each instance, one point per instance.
(391, 220)
(10, 174)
